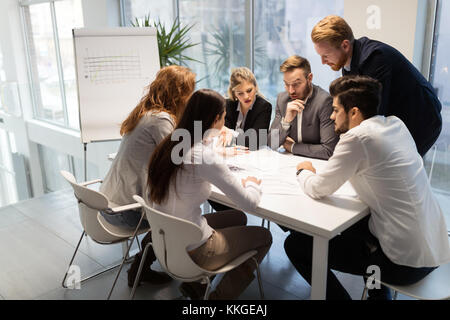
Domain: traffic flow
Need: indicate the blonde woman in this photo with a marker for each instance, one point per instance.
(146, 126)
(246, 109)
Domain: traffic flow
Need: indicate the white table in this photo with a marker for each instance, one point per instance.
(321, 219)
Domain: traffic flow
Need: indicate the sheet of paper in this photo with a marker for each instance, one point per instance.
(267, 166)
(270, 166)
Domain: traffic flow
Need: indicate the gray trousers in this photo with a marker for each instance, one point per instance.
(231, 238)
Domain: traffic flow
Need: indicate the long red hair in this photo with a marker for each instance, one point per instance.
(169, 92)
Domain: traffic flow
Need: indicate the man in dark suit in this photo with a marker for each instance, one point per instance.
(406, 93)
(303, 112)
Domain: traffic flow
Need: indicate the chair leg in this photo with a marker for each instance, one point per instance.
(126, 254)
(268, 223)
(258, 274)
(208, 289)
(120, 269)
(139, 244)
(141, 266)
(71, 260)
(364, 295)
(73, 257)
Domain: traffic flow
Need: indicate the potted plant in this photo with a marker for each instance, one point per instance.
(225, 53)
(172, 42)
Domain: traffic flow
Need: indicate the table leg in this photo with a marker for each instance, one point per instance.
(319, 268)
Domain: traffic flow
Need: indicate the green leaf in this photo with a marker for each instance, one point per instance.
(172, 42)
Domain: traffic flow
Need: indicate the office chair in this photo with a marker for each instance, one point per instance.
(90, 202)
(435, 286)
(171, 236)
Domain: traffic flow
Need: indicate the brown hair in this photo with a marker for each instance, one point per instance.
(294, 62)
(332, 29)
(168, 92)
(239, 75)
(203, 106)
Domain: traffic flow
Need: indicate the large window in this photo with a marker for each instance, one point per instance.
(220, 31)
(438, 159)
(257, 34)
(282, 29)
(10, 98)
(2, 71)
(52, 65)
(8, 190)
(163, 11)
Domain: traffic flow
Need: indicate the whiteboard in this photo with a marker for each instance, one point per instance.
(113, 67)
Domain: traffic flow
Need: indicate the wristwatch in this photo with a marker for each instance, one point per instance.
(298, 171)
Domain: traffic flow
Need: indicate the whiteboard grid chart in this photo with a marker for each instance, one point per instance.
(114, 68)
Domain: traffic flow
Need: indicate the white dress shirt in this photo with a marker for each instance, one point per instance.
(240, 123)
(300, 120)
(380, 159)
(193, 188)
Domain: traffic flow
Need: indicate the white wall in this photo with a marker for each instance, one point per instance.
(101, 13)
(399, 23)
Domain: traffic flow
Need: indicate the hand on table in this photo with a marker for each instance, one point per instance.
(306, 165)
(232, 151)
(252, 179)
(225, 137)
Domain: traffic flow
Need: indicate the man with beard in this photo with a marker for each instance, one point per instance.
(405, 235)
(406, 93)
(302, 117)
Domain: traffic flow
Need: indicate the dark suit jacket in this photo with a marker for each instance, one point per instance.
(406, 93)
(318, 136)
(257, 118)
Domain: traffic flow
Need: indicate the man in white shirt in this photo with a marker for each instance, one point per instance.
(405, 235)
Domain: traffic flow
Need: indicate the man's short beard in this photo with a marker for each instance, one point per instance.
(344, 128)
(306, 92)
(340, 64)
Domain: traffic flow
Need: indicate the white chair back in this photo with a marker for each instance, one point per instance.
(170, 238)
(89, 203)
(435, 286)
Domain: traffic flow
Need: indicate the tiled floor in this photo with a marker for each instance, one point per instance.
(38, 237)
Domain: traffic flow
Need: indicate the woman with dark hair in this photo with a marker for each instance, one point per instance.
(183, 182)
(146, 126)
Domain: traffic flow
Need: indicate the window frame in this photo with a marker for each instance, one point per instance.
(24, 5)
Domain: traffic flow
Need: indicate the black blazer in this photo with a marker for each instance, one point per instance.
(257, 118)
(406, 93)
